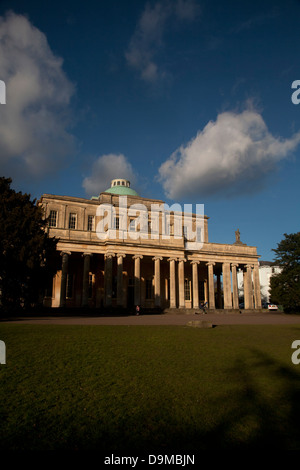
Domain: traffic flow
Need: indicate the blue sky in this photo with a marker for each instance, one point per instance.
(190, 100)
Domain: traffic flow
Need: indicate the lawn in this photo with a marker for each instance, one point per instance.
(149, 389)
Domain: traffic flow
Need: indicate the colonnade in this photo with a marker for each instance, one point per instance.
(252, 297)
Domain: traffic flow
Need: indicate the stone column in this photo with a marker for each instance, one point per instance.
(205, 290)
(257, 295)
(195, 283)
(219, 291)
(248, 291)
(227, 286)
(157, 295)
(235, 292)
(137, 279)
(246, 288)
(120, 279)
(181, 282)
(85, 283)
(211, 287)
(172, 283)
(64, 272)
(108, 278)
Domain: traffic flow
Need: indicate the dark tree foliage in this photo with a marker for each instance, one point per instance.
(26, 251)
(285, 286)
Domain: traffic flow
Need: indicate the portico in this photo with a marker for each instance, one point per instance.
(158, 282)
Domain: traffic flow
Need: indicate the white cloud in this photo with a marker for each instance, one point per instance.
(232, 155)
(33, 123)
(105, 169)
(147, 39)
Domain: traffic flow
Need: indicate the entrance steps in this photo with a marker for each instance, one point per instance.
(218, 311)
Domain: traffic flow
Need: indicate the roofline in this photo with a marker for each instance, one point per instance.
(96, 201)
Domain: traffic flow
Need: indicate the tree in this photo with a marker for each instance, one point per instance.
(285, 286)
(26, 251)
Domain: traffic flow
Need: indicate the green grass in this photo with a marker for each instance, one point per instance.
(149, 389)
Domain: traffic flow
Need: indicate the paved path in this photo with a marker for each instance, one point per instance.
(165, 319)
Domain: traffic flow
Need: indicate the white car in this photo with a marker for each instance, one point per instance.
(272, 307)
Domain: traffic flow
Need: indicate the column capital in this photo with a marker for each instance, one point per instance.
(86, 254)
(137, 257)
(172, 259)
(157, 258)
(109, 255)
(182, 259)
(195, 261)
(120, 255)
(249, 266)
(62, 253)
(210, 263)
(234, 265)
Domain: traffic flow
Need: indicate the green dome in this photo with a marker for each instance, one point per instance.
(122, 191)
(122, 187)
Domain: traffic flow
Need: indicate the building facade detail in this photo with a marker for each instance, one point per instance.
(138, 261)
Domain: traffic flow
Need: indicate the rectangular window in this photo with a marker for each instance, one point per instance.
(116, 223)
(198, 234)
(187, 291)
(91, 223)
(53, 219)
(72, 221)
(149, 289)
(69, 293)
(132, 225)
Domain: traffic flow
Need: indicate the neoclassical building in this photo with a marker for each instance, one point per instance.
(119, 250)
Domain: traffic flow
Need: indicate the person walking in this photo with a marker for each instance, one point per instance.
(202, 307)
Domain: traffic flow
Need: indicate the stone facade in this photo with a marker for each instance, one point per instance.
(128, 265)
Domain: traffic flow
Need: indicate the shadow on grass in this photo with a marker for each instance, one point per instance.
(258, 416)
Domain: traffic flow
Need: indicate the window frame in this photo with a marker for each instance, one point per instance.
(90, 227)
(187, 289)
(71, 214)
(53, 211)
(116, 222)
